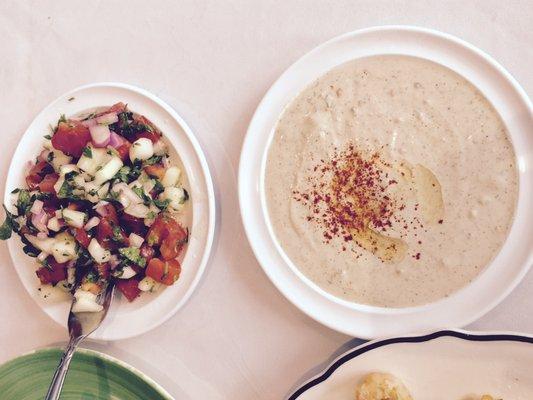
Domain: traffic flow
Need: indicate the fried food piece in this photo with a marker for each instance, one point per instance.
(381, 386)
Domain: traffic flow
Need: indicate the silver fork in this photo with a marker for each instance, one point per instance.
(80, 325)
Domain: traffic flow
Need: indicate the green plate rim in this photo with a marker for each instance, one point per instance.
(105, 357)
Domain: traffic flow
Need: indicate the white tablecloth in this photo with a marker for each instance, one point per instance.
(237, 338)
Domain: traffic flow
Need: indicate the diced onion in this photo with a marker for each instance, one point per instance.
(160, 148)
(137, 210)
(108, 171)
(42, 256)
(97, 252)
(126, 273)
(100, 135)
(37, 207)
(115, 140)
(135, 240)
(94, 221)
(107, 119)
(39, 221)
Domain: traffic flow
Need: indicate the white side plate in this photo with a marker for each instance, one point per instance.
(446, 365)
(150, 310)
(463, 307)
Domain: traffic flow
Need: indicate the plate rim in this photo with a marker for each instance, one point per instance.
(209, 192)
(249, 210)
(103, 356)
(462, 334)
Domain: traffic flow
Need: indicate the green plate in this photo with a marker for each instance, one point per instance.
(92, 376)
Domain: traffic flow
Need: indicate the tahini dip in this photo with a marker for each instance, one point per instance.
(391, 181)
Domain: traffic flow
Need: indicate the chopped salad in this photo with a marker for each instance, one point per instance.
(102, 202)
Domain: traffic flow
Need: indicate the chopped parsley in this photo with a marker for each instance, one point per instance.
(48, 137)
(24, 202)
(67, 188)
(161, 204)
(117, 234)
(9, 225)
(133, 254)
(87, 152)
(153, 160)
(140, 192)
(123, 174)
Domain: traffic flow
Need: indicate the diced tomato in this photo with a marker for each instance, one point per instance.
(117, 108)
(161, 228)
(147, 252)
(156, 170)
(52, 274)
(36, 174)
(133, 224)
(129, 288)
(124, 150)
(71, 137)
(173, 244)
(49, 210)
(169, 234)
(48, 182)
(82, 237)
(106, 235)
(110, 213)
(166, 272)
(103, 270)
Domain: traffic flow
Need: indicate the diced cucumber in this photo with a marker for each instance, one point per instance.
(148, 284)
(74, 218)
(171, 177)
(108, 171)
(176, 196)
(64, 248)
(59, 159)
(85, 302)
(53, 224)
(91, 164)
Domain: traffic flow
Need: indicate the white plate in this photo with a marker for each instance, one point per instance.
(463, 307)
(446, 365)
(150, 310)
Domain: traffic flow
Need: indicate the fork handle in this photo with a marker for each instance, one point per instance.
(54, 391)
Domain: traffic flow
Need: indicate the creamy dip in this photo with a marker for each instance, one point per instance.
(391, 181)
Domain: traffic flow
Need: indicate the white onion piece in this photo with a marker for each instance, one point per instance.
(160, 148)
(42, 235)
(42, 256)
(100, 204)
(128, 193)
(89, 122)
(106, 119)
(100, 135)
(94, 221)
(137, 210)
(97, 252)
(135, 240)
(126, 273)
(37, 207)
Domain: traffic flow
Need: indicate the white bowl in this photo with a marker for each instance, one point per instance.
(150, 310)
(462, 363)
(464, 306)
